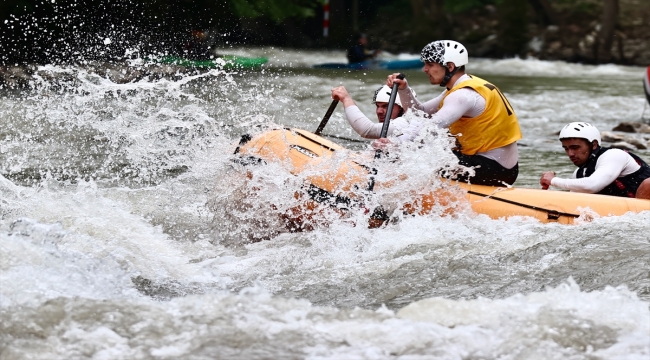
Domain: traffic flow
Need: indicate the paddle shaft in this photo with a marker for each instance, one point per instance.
(327, 116)
(384, 129)
(389, 112)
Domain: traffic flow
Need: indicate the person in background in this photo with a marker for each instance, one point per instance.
(475, 111)
(358, 53)
(601, 170)
(364, 126)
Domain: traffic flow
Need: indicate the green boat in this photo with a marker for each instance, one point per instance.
(226, 62)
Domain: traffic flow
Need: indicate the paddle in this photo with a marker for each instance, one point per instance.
(389, 112)
(384, 130)
(326, 118)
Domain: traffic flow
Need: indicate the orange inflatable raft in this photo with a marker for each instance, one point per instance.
(342, 185)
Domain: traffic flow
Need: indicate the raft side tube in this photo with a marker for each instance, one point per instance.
(342, 184)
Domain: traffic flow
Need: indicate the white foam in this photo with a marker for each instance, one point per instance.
(86, 226)
(560, 322)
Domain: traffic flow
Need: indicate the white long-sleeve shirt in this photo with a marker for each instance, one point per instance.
(371, 130)
(611, 165)
(463, 102)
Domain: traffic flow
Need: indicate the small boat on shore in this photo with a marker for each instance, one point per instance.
(343, 186)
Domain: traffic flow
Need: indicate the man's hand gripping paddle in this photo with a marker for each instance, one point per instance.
(384, 129)
(389, 112)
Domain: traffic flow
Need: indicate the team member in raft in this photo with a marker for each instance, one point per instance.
(366, 127)
(600, 170)
(474, 110)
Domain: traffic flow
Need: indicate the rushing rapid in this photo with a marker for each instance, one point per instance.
(126, 230)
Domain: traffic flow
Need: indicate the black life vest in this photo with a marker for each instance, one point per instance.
(624, 186)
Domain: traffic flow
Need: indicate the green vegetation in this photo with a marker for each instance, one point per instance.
(75, 30)
(276, 10)
(459, 6)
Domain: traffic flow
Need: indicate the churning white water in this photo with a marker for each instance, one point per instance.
(125, 230)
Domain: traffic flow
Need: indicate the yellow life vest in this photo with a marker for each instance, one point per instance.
(497, 126)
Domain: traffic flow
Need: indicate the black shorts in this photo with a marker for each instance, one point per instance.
(487, 171)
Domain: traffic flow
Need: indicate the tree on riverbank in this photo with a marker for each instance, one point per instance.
(590, 31)
(603, 45)
(77, 30)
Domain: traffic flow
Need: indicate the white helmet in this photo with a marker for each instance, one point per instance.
(444, 51)
(383, 95)
(581, 130)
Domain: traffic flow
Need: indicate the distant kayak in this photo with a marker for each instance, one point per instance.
(226, 62)
(374, 64)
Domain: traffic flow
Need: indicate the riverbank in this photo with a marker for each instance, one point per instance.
(571, 38)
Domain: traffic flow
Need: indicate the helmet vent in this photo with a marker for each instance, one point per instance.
(444, 51)
(383, 95)
(580, 130)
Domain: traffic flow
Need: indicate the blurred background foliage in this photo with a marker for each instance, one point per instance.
(50, 31)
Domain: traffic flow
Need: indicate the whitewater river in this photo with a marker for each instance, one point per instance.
(123, 235)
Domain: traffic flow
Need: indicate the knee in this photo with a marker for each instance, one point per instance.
(643, 192)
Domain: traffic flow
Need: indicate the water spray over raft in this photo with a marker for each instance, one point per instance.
(343, 186)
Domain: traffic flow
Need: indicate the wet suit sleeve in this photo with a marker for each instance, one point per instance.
(411, 102)
(609, 167)
(369, 129)
(458, 104)
(464, 102)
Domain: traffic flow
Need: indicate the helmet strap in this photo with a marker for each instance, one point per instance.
(593, 152)
(448, 75)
